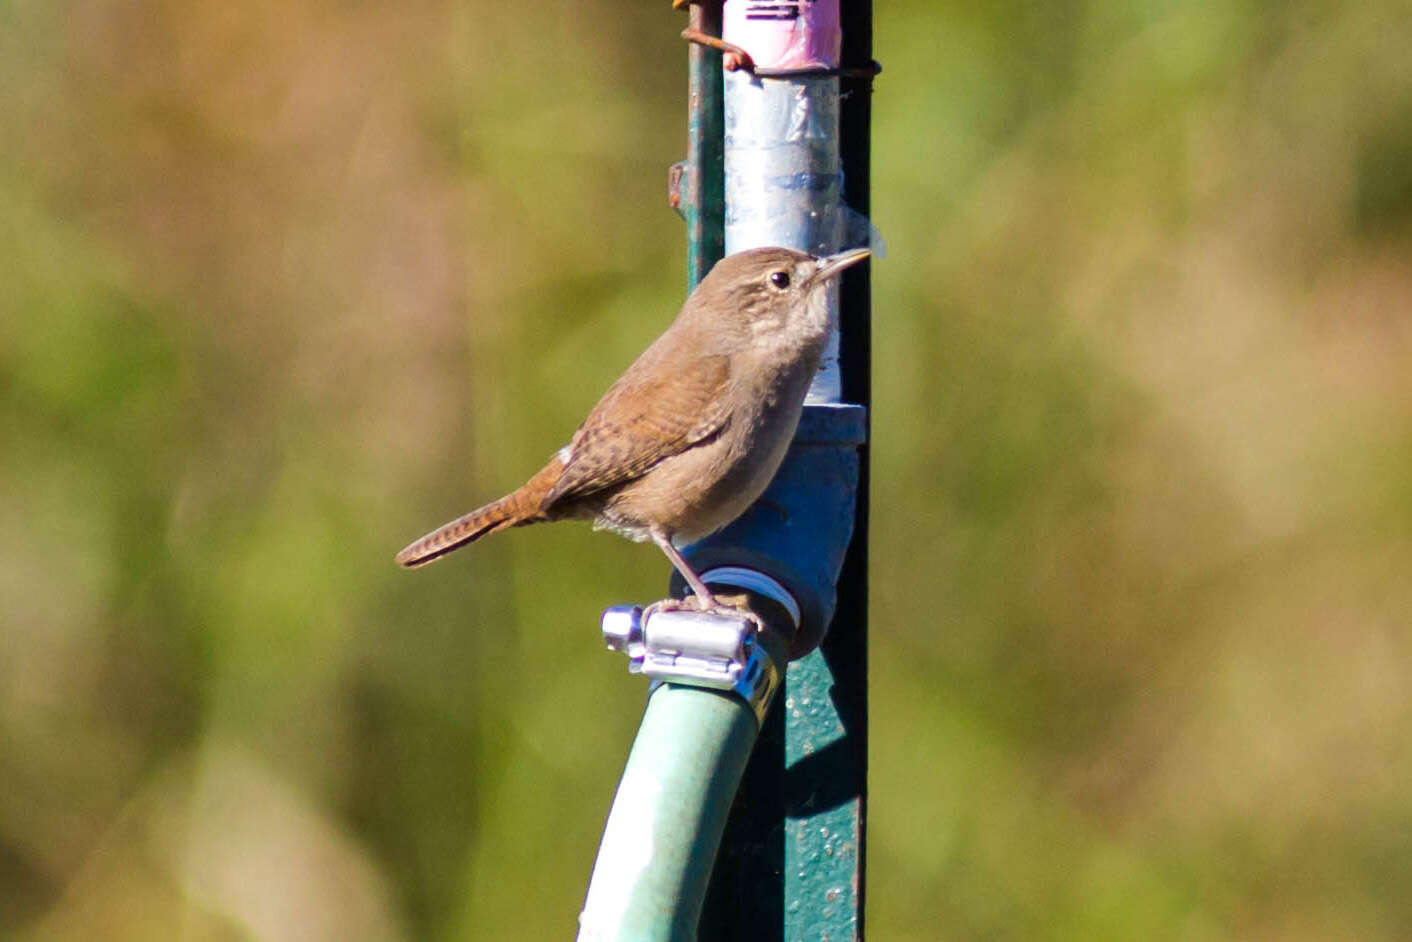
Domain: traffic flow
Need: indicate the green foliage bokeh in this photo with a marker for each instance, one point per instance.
(283, 285)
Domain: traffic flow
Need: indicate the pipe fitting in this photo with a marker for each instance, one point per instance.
(797, 533)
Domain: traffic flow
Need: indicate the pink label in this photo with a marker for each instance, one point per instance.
(784, 34)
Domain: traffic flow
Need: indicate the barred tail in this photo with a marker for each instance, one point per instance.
(513, 510)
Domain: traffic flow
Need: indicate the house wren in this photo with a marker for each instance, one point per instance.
(695, 429)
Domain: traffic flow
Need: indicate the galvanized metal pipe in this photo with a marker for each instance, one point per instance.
(782, 182)
(783, 186)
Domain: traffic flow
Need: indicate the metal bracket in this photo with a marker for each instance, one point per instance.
(715, 650)
(676, 182)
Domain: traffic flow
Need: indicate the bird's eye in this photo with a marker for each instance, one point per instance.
(780, 279)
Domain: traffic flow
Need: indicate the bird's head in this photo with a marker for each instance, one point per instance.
(772, 292)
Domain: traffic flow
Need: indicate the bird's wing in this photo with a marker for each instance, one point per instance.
(648, 416)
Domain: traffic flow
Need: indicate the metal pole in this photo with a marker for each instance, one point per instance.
(826, 694)
(803, 801)
(795, 152)
(703, 202)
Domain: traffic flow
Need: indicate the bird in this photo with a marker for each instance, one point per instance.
(694, 430)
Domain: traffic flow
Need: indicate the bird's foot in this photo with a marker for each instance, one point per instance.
(689, 604)
(735, 607)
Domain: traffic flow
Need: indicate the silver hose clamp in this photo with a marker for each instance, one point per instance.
(716, 650)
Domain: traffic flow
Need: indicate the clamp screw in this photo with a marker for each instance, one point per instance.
(622, 632)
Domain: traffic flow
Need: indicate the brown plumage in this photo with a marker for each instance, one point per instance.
(696, 427)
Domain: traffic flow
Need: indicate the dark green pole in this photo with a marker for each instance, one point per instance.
(703, 196)
(792, 862)
(825, 700)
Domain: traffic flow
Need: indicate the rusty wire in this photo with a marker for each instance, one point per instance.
(735, 58)
(732, 56)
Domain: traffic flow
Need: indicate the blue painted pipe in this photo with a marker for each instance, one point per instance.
(799, 530)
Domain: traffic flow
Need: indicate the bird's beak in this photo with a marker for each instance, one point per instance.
(831, 265)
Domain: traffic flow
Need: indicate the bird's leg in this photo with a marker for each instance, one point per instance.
(704, 599)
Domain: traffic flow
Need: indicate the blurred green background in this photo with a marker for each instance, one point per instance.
(282, 285)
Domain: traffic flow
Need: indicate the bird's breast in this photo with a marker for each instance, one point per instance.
(697, 492)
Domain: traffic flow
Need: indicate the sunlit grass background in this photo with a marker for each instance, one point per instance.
(284, 284)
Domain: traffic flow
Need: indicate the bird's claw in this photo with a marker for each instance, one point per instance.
(689, 604)
(692, 603)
